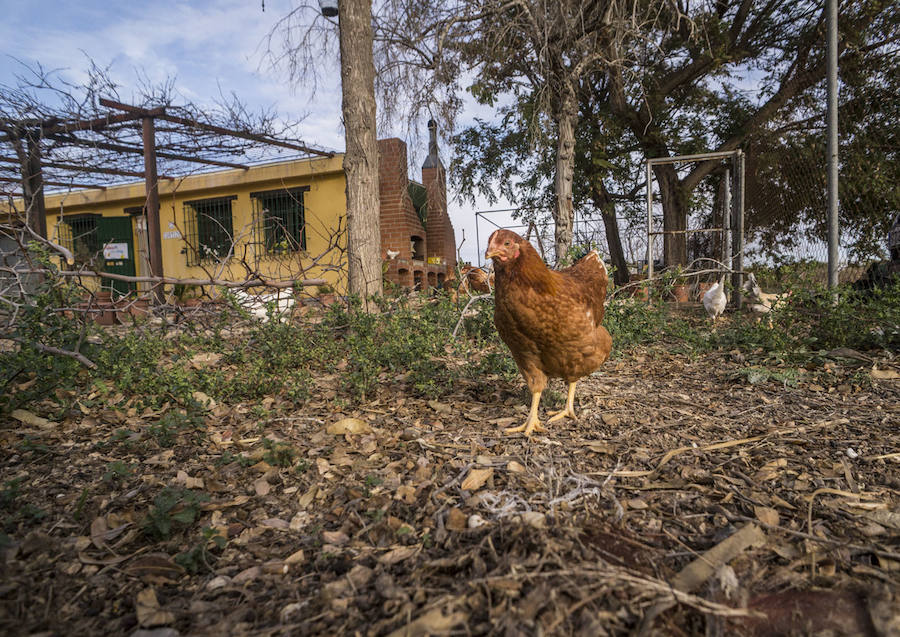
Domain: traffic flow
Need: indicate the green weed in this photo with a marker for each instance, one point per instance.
(173, 509)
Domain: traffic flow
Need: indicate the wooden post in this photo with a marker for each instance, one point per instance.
(33, 184)
(151, 205)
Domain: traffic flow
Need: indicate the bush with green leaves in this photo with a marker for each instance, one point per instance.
(47, 317)
(815, 319)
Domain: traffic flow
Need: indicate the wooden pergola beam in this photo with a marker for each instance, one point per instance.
(215, 129)
(85, 169)
(13, 180)
(138, 150)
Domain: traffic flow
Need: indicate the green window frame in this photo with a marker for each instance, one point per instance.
(210, 229)
(280, 220)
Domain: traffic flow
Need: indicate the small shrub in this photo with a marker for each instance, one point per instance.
(278, 454)
(197, 559)
(173, 509)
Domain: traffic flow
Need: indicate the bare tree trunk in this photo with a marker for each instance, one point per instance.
(604, 203)
(361, 159)
(674, 204)
(563, 213)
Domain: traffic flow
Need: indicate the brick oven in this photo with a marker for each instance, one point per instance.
(417, 238)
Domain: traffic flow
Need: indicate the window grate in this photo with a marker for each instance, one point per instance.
(279, 221)
(78, 233)
(209, 229)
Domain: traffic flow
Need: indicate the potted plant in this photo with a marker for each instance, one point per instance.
(680, 288)
(187, 294)
(326, 295)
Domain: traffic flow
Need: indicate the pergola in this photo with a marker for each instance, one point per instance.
(96, 148)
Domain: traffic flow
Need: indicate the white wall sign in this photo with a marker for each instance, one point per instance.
(112, 251)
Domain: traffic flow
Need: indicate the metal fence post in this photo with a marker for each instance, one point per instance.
(832, 58)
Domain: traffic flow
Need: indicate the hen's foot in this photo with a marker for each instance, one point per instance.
(569, 411)
(528, 428)
(562, 413)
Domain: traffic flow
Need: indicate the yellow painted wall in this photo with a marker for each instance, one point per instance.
(324, 204)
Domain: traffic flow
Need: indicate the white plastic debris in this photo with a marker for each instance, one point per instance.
(851, 453)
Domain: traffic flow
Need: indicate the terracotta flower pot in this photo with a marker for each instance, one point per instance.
(680, 291)
(703, 288)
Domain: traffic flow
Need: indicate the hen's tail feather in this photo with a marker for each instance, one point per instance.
(595, 279)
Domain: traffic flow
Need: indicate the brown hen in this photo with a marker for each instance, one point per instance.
(550, 320)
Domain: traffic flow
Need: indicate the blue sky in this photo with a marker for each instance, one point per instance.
(209, 47)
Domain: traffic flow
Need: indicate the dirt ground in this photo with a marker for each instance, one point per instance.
(415, 517)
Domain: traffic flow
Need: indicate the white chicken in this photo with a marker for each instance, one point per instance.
(257, 304)
(764, 302)
(714, 300)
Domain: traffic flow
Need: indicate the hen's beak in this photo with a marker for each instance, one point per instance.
(490, 254)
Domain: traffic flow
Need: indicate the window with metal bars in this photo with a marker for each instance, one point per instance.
(280, 221)
(78, 233)
(210, 231)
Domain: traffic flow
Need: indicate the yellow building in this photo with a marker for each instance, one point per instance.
(281, 221)
(278, 220)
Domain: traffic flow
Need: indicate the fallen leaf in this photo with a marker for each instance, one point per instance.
(476, 479)
(31, 419)
(398, 555)
(306, 499)
(534, 519)
(434, 622)
(515, 467)
(262, 486)
(191, 483)
(348, 426)
(885, 374)
(456, 520)
(203, 400)
(335, 537)
(637, 504)
(99, 529)
(158, 564)
(247, 575)
(406, 493)
(766, 515)
(275, 523)
(441, 408)
(148, 611)
(771, 470)
(205, 359)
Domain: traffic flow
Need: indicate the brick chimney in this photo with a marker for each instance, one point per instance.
(441, 240)
(399, 221)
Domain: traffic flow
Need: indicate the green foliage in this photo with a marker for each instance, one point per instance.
(278, 454)
(117, 471)
(40, 322)
(174, 422)
(634, 322)
(13, 511)
(197, 558)
(133, 363)
(173, 509)
(814, 319)
(757, 374)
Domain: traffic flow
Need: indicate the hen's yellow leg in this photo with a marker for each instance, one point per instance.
(570, 406)
(533, 423)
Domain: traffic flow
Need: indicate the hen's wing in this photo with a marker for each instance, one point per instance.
(590, 279)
